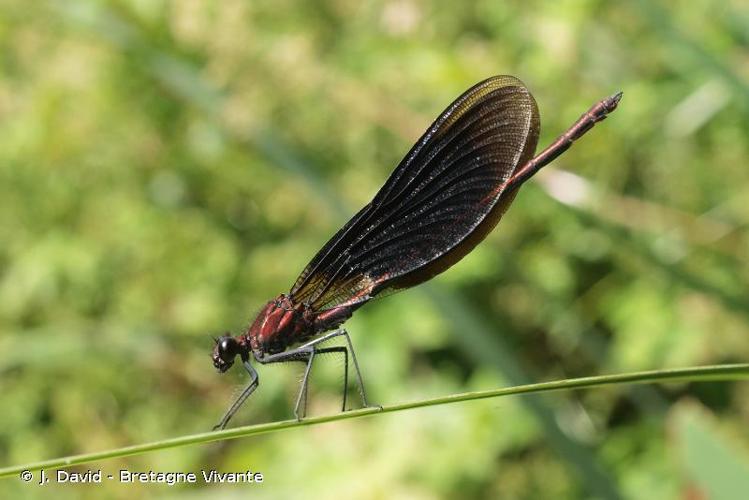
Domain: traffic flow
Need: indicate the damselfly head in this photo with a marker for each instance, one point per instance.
(224, 352)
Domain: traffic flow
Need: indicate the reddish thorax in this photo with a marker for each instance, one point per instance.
(283, 322)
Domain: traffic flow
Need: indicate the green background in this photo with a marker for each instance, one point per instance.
(168, 167)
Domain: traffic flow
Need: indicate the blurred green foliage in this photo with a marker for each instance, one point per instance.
(167, 167)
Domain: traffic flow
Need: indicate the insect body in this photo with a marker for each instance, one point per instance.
(443, 198)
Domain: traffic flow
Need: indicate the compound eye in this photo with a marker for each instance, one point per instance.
(227, 348)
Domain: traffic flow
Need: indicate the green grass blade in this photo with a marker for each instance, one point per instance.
(690, 374)
(715, 464)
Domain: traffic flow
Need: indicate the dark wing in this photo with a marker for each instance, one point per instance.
(438, 204)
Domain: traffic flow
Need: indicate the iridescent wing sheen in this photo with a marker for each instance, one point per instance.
(439, 203)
